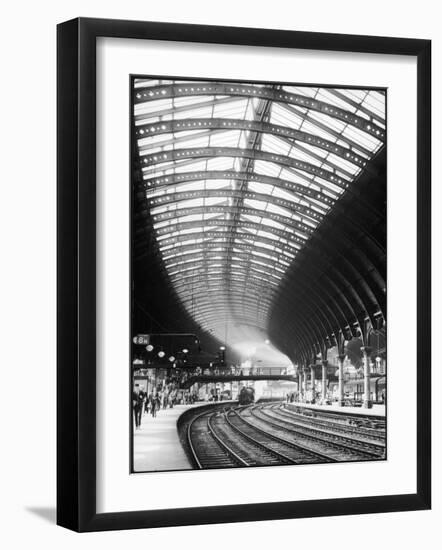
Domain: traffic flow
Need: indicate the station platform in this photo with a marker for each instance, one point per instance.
(156, 443)
(376, 410)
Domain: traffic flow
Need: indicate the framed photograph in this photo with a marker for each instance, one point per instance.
(243, 274)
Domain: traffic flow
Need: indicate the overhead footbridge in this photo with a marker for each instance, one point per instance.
(211, 378)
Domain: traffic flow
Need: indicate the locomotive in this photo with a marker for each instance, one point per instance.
(246, 396)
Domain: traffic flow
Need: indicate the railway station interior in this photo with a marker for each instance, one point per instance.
(258, 274)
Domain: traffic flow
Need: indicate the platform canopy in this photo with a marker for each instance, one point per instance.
(236, 178)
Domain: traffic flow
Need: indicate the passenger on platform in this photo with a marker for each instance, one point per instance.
(153, 405)
(158, 402)
(143, 398)
(138, 396)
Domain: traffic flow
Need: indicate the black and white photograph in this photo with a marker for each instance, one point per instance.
(219, 275)
(258, 274)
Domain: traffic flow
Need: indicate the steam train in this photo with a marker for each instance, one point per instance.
(246, 396)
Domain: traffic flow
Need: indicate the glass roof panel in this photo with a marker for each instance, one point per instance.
(256, 193)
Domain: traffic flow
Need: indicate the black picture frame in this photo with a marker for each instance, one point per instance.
(76, 274)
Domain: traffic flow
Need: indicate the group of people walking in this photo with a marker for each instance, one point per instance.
(142, 402)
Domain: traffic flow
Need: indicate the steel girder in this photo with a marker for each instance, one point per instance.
(156, 159)
(224, 208)
(244, 254)
(185, 125)
(268, 259)
(214, 222)
(315, 284)
(323, 195)
(291, 206)
(326, 128)
(220, 237)
(342, 289)
(202, 271)
(244, 90)
(369, 241)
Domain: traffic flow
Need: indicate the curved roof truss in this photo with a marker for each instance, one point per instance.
(237, 178)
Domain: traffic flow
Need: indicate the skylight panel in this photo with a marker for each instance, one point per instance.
(220, 163)
(209, 216)
(366, 140)
(347, 166)
(267, 168)
(267, 235)
(328, 97)
(235, 109)
(198, 185)
(250, 218)
(250, 111)
(293, 176)
(228, 138)
(217, 184)
(258, 187)
(327, 120)
(152, 106)
(273, 144)
(211, 201)
(305, 91)
(191, 203)
(191, 165)
(375, 101)
(189, 100)
(195, 141)
(150, 140)
(276, 209)
(295, 153)
(328, 185)
(275, 224)
(197, 112)
(284, 117)
(147, 82)
(252, 203)
(286, 195)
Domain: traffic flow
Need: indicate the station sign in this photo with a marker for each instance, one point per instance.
(141, 339)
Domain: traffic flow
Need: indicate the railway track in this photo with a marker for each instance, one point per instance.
(291, 452)
(208, 450)
(335, 445)
(267, 435)
(377, 434)
(338, 418)
(222, 439)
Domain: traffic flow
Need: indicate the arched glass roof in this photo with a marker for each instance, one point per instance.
(237, 177)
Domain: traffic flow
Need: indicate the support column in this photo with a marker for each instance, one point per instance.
(299, 385)
(304, 393)
(324, 380)
(312, 376)
(341, 359)
(367, 403)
